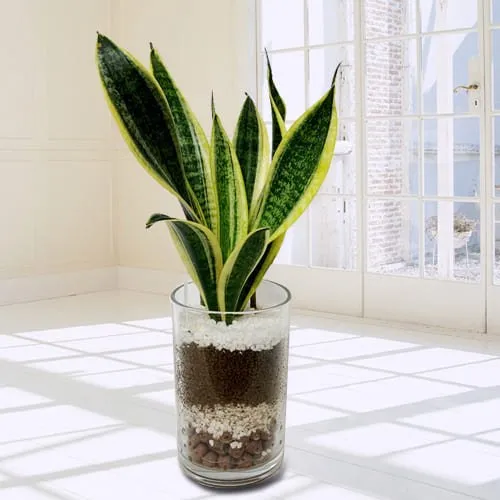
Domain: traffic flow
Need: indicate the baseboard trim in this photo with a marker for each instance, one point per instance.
(162, 282)
(149, 280)
(49, 286)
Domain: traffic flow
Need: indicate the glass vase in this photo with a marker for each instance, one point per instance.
(231, 384)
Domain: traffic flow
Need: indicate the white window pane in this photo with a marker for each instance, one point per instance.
(391, 73)
(495, 11)
(288, 75)
(452, 169)
(495, 47)
(393, 237)
(330, 22)
(333, 232)
(449, 61)
(392, 157)
(282, 24)
(437, 15)
(389, 18)
(496, 156)
(341, 177)
(452, 242)
(295, 248)
(322, 64)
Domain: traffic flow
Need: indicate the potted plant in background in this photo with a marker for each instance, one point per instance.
(462, 231)
(231, 325)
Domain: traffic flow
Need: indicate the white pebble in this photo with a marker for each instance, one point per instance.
(257, 333)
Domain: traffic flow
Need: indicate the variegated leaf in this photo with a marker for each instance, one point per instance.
(258, 274)
(191, 142)
(141, 111)
(200, 253)
(233, 211)
(251, 144)
(239, 267)
(278, 109)
(299, 166)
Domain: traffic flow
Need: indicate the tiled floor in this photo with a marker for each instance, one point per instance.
(87, 408)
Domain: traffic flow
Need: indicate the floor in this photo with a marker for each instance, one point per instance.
(87, 408)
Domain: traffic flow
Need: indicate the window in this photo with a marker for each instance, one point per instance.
(411, 197)
(304, 53)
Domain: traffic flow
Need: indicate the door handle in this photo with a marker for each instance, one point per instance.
(473, 86)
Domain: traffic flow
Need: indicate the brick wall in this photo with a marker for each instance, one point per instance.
(386, 140)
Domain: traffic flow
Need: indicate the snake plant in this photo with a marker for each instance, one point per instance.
(238, 197)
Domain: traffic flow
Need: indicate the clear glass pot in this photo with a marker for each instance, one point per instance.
(231, 384)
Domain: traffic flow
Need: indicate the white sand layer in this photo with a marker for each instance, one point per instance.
(238, 420)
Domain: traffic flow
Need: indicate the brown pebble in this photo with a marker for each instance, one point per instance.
(200, 451)
(218, 446)
(236, 452)
(226, 438)
(210, 459)
(255, 436)
(194, 441)
(254, 447)
(224, 462)
(204, 437)
(245, 461)
(265, 436)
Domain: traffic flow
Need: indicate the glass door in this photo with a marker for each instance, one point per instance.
(423, 94)
(399, 228)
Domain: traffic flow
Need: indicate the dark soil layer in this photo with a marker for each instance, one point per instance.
(208, 376)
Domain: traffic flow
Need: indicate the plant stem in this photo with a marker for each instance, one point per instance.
(253, 301)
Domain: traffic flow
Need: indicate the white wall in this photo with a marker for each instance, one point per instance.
(55, 161)
(207, 45)
(72, 197)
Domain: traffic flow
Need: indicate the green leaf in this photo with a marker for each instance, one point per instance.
(141, 111)
(200, 252)
(278, 108)
(233, 211)
(251, 144)
(278, 127)
(191, 143)
(299, 166)
(335, 73)
(239, 267)
(258, 274)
